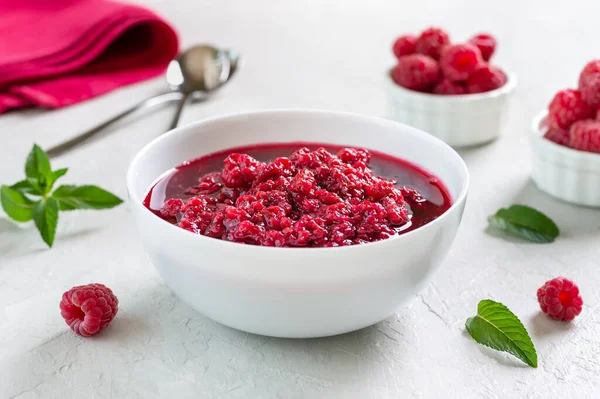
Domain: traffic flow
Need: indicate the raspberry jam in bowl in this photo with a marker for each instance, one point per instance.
(298, 195)
(297, 223)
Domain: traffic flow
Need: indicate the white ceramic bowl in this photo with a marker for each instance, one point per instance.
(459, 120)
(296, 292)
(567, 174)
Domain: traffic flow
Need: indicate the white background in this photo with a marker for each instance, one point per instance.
(319, 54)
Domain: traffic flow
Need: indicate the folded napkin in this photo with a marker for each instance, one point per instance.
(55, 53)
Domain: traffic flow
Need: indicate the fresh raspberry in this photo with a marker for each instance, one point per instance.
(589, 82)
(566, 108)
(559, 298)
(87, 309)
(486, 44)
(598, 113)
(431, 41)
(589, 86)
(559, 136)
(448, 87)
(585, 135)
(405, 45)
(458, 61)
(591, 68)
(485, 78)
(416, 72)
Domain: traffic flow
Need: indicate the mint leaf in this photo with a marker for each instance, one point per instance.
(37, 187)
(45, 215)
(497, 327)
(16, 205)
(525, 222)
(26, 187)
(84, 197)
(39, 181)
(54, 176)
(37, 167)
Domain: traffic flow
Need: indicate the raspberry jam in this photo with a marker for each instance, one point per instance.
(298, 195)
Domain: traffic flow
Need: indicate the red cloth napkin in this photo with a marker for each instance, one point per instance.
(55, 53)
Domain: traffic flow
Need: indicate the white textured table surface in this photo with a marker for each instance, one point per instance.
(319, 54)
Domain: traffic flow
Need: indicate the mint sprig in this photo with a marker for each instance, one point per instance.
(495, 326)
(33, 198)
(525, 222)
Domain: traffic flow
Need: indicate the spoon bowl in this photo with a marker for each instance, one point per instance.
(201, 69)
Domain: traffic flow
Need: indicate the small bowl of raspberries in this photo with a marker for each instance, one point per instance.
(566, 142)
(450, 90)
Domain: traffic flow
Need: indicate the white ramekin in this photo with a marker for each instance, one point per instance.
(567, 174)
(296, 292)
(459, 120)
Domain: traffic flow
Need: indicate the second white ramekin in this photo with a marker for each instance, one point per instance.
(567, 174)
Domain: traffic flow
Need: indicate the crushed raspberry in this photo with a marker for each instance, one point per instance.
(559, 298)
(486, 44)
(589, 86)
(458, 61)
(416, 72)
(485, 78)
(448, 87)
(431, 41)
(309, 199)
(566, 108)
(598, 113)
(171, 208)
(239, 170)
(559, 136)
(87, 309)
(585, 135)
(405, 45)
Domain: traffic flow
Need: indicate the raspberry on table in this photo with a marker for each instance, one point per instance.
(585, 135)
(87, 309)
(486, 44)
(458, 61)
(485, 78)
(416, 72)
(448, 87)
(431, 41)
(405, 45)
(566, 108)
(559, 298)
(557, 135)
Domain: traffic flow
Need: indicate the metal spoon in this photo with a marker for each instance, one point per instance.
(219, 65)
(200, 69)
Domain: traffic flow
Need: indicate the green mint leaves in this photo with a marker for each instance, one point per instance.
(497, 327)
(525, 222)
(33, 199)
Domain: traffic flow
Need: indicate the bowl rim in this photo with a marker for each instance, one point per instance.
(546, 145)
(138, 202)
(508, 87)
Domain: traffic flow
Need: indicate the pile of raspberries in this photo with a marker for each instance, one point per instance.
(574, 115)
(430, 63)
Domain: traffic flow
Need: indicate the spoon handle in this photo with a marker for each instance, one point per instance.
(180, 106)
(75, 141)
